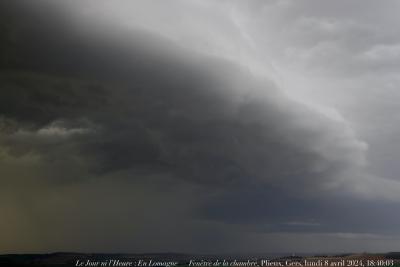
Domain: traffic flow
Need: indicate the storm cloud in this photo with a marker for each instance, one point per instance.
(131, 138)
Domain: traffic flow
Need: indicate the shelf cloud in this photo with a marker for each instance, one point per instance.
(197, 126)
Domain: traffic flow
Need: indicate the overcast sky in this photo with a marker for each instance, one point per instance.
(200, 126)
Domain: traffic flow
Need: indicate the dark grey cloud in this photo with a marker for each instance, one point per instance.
(124, 136)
